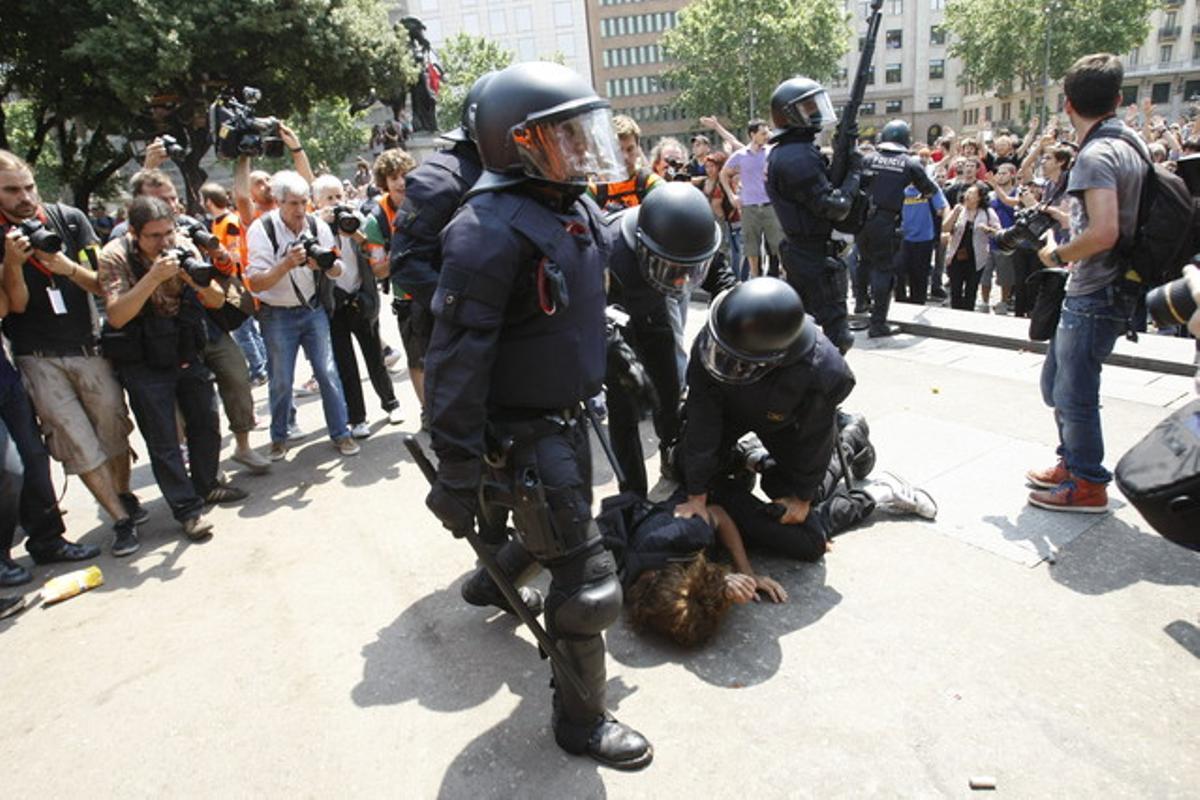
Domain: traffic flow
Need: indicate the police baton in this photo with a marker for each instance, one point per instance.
(503, 583)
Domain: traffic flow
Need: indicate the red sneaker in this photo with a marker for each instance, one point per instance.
(1050, 477)
(1073, 494)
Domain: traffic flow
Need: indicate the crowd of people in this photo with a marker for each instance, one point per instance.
(496, 261)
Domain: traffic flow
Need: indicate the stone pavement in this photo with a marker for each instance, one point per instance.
(317, 645)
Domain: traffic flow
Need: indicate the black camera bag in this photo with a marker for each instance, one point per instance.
(1051, 287)
(1161, 476)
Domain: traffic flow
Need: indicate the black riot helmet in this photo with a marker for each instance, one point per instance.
(465, 132)
(674, 235)
(752, 328)
(896, 133)
(801, 104)
(541, 121)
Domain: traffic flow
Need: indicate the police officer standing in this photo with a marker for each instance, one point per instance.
(808, 205)
(432, 193)
(661, 249)
(891, 170)
(518, 345)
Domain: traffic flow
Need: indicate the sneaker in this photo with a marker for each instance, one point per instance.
(252, 460)
(10, 606)
(224, 494)
(278, 451)
(133, 507)
(1073, 494)
(295, 433)
(906, 498)
(12, 573)
(307, 389)
(347, 446)
(983, 308)
(1048, 478)
(391, 358)
(197, 529)
(395, 417)
(360, 430)
(125, 543)
(1001, 308)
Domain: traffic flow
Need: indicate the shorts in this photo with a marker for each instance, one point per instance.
(1006, 272)
(757, 222)
(416, 328)
(81, 408)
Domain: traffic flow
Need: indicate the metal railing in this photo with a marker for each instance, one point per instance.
(1169, 32)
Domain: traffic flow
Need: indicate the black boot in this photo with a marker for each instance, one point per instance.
(854, 436)
(515, 561)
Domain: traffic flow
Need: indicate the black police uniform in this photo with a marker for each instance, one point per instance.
(517, 346)
(650, 335)
(891, 170)
(807, 205)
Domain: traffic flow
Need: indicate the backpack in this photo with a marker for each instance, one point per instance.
(1165, 237)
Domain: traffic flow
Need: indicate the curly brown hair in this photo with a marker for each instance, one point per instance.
(684, 602)
(390, 162)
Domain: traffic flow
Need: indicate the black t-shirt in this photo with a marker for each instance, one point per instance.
(39, 327)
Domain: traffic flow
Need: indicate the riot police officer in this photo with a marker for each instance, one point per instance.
(808, 205)
(432, 193)
(518, 344)
(660, 250)
(891, 170)
(762, 366)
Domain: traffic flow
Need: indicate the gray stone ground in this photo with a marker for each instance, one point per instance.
(317, 646)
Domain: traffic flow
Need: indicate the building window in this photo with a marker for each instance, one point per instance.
(523, 19)
(526, 49)
(497, 21)
(564, 15)
(895, 39)
(937, 5)
(1134, 55)
(935, 102)
(937, 68)
(1196, 49)
(896, 8)
(1191, 91)
(987, 113)
(1006, 110)
(841, 79)
(892, 75)
(1160, 93)
(867, 109)
(937, 35)
(871, 76)
(1169, 19)
(894, 106)
(1129, 95)
(471, 26)
(1164, 53)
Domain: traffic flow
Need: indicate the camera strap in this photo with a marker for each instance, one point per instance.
(269, 224)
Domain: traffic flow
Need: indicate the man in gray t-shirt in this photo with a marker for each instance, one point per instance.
(1105, 184)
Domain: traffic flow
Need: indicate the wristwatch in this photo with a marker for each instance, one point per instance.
(1056, 258)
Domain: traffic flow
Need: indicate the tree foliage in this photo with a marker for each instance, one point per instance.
(465, 58)
(727, 52)
(89, 69)
(1004, 41)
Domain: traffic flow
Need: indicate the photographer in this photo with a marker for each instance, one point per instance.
(356, 310)
(49, 323)
(156, 304)
(1105, 184)
(150, 182)
(292, 258)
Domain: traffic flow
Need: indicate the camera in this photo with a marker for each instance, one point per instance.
(1171, 304)
(324, 257)
(197, 232)
(175, 150)
(200, 272)
(237, 131)
(41, 237)
(676, 170)
(345, 220)
(1026, 231)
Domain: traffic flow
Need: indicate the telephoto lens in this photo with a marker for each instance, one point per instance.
(41, 237)
(345, 220)
(199, 234)
(199, 271)
(1171, 304)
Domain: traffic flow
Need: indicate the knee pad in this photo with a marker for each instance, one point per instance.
(585, 596)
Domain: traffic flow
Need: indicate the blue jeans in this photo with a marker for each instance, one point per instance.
(1087, 330)
(26, 491)
(251, 342)
(286, 330)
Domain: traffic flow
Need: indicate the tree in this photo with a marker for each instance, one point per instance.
(465, 58)
(332, 133)
(99, 72)
(731, 54)
(1003, 42)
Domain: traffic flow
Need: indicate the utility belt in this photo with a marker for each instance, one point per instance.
(509, 429)
(823, 246)
(65, 351)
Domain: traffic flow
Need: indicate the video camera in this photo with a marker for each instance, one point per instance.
(345, 219)
(237, 131)
(200, 272)
(676, 170)
(1028, 227)
(41, 237)
(323, 257)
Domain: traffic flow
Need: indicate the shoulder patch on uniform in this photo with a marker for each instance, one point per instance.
(776, 416)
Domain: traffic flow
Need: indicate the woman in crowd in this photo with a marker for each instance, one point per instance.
(969, 226)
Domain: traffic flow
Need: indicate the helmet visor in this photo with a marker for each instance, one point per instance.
(814, 111)
(727, 366)
(575, 149)
(672, 278)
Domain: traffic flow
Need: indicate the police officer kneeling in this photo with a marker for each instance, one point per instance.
(891, 169)
(809, 206)
(518, 345)
(761, 365)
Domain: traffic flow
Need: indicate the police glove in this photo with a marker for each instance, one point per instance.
(454, 498)
(751, 453)
(627, 370)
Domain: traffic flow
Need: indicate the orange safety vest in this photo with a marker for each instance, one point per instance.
(623, 194)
